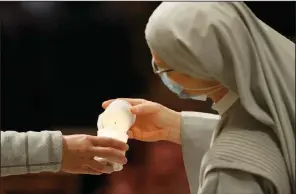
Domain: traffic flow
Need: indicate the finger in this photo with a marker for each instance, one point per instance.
(110, 154)
(89, 170)
(130, 134)
(154, 135)
(99, 167)
(136, 133)
(108, 142)
(132, 101)
(107, 103)
(146, 109)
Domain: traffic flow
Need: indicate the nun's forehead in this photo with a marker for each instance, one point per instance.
(173, 56)
(172, 35)
(180, 63)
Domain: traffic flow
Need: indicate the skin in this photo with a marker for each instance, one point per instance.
(156, 122)
(79, 152)
(188, 82)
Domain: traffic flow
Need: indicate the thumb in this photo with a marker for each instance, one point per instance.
(145, 109)
(130, 134)
(107, 103)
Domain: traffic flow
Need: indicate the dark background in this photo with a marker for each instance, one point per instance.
(61, 60)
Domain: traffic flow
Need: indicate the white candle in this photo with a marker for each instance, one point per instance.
(114, 122)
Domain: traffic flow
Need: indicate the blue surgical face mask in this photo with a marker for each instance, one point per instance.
(179, 90)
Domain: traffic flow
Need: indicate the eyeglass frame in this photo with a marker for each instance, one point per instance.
(158, 71)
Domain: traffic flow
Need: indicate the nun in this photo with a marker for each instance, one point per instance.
(222, 51)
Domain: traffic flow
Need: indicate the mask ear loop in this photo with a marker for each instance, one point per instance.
(208, 88)
(209, 93)
(197, 89)
(217, 89)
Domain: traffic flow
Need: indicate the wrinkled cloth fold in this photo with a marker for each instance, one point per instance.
(30, 152)
(225, 41)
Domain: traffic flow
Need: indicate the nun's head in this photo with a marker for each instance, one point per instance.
(169, 35)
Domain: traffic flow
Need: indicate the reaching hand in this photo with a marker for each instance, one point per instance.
(79, 152)
(154, 122)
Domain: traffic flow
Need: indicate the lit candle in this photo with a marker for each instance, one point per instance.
(114, 122)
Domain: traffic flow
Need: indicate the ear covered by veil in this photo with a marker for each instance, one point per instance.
(225, 41)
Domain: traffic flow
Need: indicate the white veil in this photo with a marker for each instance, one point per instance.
(227, 42)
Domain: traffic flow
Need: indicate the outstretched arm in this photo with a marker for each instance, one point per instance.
(30, 152)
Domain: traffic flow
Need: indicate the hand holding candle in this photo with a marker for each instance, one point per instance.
(115, 122)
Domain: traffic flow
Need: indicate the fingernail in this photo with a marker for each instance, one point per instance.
(124, 160)
(126, 147)
(109, 170)
(135, 109)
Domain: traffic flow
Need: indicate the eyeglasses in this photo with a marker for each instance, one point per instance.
(158, 70)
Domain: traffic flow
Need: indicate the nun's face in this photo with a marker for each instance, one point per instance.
(191, 83)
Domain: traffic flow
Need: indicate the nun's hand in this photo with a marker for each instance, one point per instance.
(154, 122)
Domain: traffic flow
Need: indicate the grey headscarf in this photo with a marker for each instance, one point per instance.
(225, 41)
